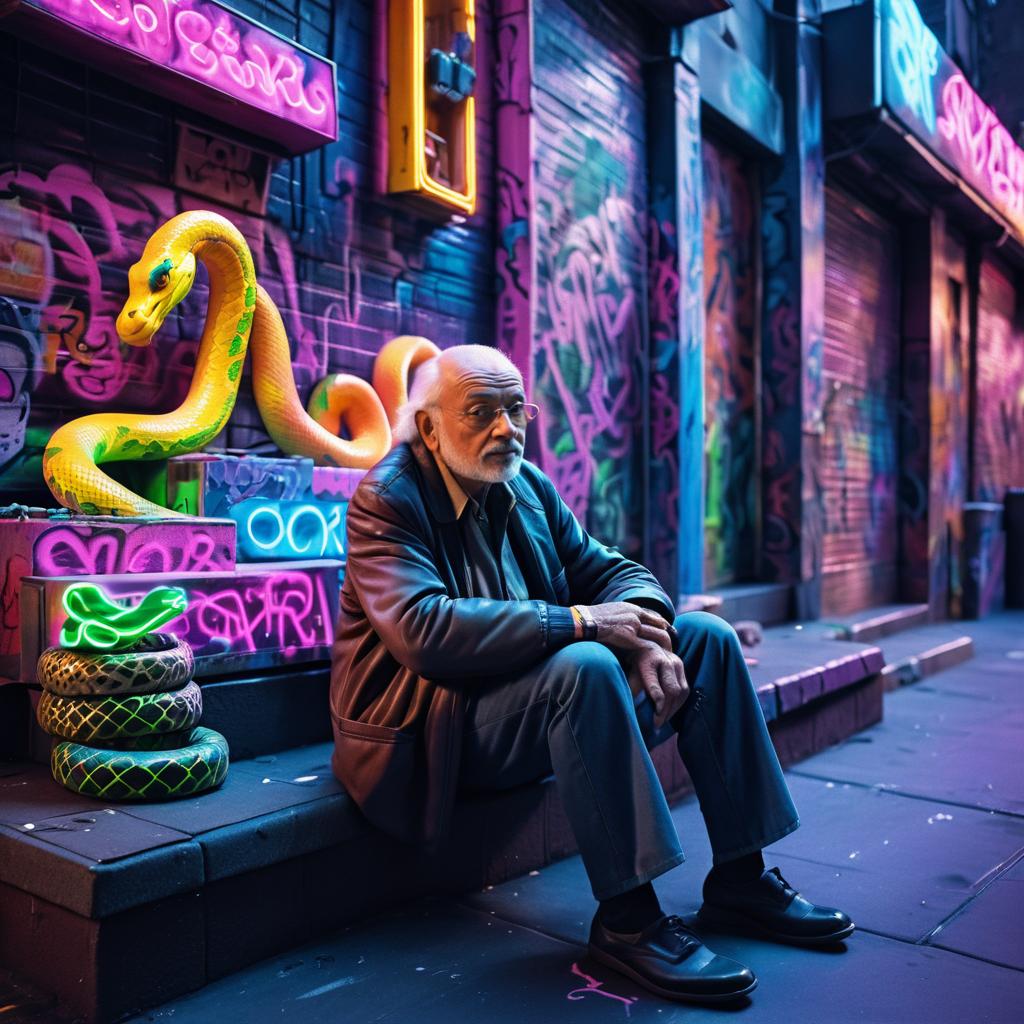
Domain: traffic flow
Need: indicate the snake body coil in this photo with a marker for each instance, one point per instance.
(137, 700)
(199, 763)
(156, 663)
(92, 719)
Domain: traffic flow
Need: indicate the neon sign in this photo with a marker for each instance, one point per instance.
(928, 92)
(271, 530)
(94, 620)
(197, 48)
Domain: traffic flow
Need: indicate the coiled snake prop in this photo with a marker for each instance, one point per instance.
(238, 308)
(134, 696)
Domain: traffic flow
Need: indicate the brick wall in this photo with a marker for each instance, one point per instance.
(87, 171)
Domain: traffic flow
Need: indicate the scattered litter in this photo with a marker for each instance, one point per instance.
(854, 854)
(885, 842)
(265, 781)
(28, 826)
(534, 872)
(830, 785)
(421, 968)
(306, 778)
(488, 888)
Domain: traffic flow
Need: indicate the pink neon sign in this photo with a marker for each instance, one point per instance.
(984, 148)
(217, 48)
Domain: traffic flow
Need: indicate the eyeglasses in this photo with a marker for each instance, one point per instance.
(479, 417)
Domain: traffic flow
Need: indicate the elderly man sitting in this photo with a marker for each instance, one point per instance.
(486, 640)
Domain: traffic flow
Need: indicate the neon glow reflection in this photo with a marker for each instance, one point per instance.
(290, 529)
(204, 41)
(96, 621)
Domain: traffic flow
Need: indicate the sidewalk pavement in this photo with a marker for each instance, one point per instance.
(915, 827)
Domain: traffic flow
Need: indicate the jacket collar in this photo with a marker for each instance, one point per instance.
(446, 498)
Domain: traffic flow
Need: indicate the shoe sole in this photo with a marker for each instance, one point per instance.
(617, 965)
(730, 920)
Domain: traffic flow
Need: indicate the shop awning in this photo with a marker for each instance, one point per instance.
(890, 89)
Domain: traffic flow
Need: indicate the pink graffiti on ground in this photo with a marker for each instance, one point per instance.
(593, 987)
(207, 43)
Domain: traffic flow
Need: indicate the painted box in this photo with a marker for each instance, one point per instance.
(210, 484)
(58, 544)
(254, 616)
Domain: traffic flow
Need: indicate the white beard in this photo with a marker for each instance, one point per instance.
(470, 469)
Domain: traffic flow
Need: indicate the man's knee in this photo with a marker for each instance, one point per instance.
(589, 668)
(704, 629)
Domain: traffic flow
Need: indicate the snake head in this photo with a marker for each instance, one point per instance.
(155, 286)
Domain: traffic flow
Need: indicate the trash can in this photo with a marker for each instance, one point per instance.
(1013, 522)
(983, 555)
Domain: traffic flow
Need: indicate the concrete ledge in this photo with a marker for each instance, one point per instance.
(767, 603)
(915, 667)
(875, 623)
(280, 854)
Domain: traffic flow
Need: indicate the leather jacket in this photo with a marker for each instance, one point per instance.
(410, 643)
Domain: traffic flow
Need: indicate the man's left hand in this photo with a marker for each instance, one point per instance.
(660, 673)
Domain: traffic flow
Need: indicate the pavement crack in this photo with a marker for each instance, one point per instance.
(886, 788)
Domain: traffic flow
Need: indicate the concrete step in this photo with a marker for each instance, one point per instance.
(767, 603)
(911, 656)
(874, 623)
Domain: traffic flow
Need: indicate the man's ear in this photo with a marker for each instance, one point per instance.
(425, 425)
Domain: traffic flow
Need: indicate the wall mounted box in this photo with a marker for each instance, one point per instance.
(432, 136)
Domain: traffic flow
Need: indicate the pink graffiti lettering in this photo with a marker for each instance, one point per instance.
(206, 42)
(983, 146)
(70, 551)
(287, 609)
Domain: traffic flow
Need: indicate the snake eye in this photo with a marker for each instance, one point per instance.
(160, 276)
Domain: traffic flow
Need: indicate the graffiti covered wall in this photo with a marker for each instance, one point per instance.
(591, 216)
(730, 392)
(89, 168)
(998, 439)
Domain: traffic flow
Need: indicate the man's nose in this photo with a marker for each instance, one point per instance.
(503, 425)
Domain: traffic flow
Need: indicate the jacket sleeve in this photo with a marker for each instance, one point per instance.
(395, 577)
(595, 573)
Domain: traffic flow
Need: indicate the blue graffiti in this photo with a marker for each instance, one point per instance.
(914, 58)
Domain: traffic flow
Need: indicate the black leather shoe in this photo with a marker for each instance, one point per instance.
(770, 906)
(667, 958)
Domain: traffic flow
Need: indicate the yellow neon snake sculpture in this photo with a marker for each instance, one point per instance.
(238, 307)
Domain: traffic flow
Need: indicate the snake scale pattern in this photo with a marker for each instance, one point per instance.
(128, 716)
(200, 763)
(155, 664)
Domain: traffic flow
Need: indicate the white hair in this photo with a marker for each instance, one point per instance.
(424, 394)
(427, 384)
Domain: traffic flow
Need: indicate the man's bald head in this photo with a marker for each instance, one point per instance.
(435, 379)
(468, 406)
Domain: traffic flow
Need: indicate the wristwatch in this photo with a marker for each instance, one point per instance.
(589, 625)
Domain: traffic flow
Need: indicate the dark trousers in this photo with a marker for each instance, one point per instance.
(574, 714)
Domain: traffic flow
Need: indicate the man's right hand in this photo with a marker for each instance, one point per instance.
(628, 626)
